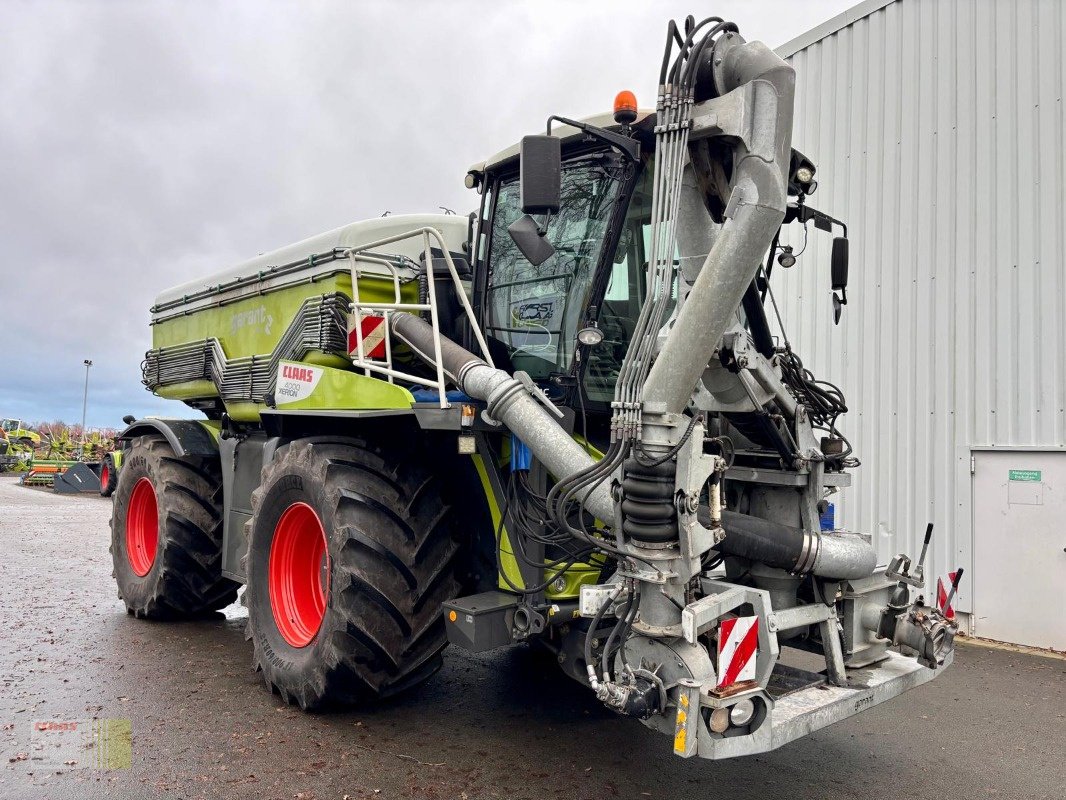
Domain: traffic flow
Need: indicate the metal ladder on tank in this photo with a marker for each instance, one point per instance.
(360, 308)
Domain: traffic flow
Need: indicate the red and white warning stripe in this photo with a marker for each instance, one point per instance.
(373, 329)
(942, 596)
(738, 644)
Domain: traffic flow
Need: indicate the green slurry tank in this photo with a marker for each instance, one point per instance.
(219, 343)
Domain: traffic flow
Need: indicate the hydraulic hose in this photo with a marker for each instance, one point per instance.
(844, 556)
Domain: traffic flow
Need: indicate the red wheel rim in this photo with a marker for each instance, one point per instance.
(142, 527)
(298, 574)
(105, 473)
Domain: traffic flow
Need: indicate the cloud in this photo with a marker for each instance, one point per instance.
(144, 144)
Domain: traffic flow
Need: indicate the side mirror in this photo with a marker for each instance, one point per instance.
(527, 234)
(840, 265)
(541, 174)
(839, 270)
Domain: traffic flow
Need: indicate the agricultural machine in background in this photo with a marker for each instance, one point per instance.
(20, 435)
(50, 451)
(108, 469)
(563, 420)
(17, 445)
(11, 457)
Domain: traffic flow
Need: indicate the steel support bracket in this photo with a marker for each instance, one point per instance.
(798, 616)
(748, 113)
(694, 467)
(719, 599)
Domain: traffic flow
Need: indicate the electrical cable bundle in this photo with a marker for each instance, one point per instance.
(823, 401)
(523, 517)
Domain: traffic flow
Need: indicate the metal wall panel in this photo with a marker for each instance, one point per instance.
(937, 128)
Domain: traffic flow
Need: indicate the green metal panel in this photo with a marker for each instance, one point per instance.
(573, 578)
(254, 326)
(507, 559)
(212, 426)
(302, 386)
(187, 390)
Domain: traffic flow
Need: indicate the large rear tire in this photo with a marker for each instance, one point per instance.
(166, 533)
(351, 554)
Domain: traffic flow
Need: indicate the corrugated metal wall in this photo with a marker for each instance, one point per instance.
(937, 128)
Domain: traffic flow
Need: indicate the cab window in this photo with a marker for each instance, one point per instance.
(536, 311)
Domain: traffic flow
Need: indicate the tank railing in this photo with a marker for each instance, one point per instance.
(359, 307)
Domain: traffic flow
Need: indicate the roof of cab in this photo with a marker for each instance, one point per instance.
(567, 133)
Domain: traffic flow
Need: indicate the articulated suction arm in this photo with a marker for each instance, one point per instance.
(763, 106)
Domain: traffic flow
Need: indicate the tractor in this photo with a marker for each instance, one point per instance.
(566, 420)
(17, 445)
(10, 456)
(108, 470)
(18, 435)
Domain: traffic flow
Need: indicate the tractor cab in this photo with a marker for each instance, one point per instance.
(567, 320)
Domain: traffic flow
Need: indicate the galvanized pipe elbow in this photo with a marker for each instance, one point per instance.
(755, 209)
(843, 555)
(840, 556)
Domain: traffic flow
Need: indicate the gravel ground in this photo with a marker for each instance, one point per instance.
(503, 725)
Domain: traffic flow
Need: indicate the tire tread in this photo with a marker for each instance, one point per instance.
(394, 567)
(189, 581)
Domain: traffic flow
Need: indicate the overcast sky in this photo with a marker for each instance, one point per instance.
(143, 144)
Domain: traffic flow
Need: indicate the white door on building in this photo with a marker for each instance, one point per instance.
(1019, 524)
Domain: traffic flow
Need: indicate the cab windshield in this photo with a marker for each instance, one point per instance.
(536, 311)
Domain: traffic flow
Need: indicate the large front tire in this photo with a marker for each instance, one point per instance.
(166, 533)
(351, 554)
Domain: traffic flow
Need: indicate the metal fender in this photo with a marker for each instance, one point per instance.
(187, 437)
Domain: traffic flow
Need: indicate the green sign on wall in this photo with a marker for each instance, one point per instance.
(1033, 475)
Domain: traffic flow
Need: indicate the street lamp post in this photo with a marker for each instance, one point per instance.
(84, 405)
